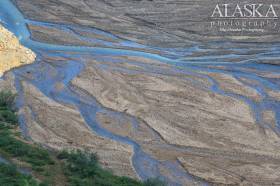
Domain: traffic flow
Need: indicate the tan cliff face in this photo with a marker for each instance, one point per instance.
(12, 53)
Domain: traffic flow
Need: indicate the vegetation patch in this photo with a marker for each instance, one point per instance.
(36, 157)
(19, 153)
(9, 176)
(83, 169)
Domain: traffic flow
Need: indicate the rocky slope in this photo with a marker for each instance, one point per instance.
(12, 53)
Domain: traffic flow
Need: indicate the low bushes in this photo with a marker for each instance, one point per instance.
(82, 169)
(9, 176)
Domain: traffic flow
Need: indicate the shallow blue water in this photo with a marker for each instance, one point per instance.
(183, 60)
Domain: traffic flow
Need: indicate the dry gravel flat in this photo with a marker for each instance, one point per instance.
(160, 23)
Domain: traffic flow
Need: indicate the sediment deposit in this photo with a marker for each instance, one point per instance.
(183, 115)
(61, 127)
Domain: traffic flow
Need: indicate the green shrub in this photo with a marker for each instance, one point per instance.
(9, 176)
(8, 116)
(83, 169)
(35, 156)
(154, 182)
(7, 99)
